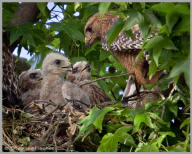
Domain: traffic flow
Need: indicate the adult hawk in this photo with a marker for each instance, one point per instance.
(124, 47)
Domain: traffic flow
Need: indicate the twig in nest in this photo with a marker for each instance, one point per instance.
(10, 147)
(74, 100)
(106, 77)
(55, 109)
(10, 144)
(45, 101)
(54, 137)
(48, 133)
(78, 106)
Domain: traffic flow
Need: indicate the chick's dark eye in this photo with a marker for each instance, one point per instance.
(32, 75)
(74, 70)
(57, 62)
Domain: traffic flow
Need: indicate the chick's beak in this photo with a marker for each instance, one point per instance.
(87, 67)
(69, 66)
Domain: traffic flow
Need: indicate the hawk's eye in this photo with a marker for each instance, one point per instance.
(32, 75)
(74, 70)
(89, 29)
(57, 62)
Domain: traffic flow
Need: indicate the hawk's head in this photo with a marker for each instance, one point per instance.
(55, 64)
(96, 28)
(81, 67)
(29, 79)
(81, 71)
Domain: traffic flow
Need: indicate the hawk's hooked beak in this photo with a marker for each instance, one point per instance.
(87, 43)
(87, 66)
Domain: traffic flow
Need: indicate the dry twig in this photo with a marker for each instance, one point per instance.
(169, 96)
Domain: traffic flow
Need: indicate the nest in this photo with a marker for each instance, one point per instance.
(34, 129)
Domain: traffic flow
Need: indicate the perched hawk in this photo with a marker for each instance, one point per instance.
(80, 75)
(54, 88)
(30, 85)
(124, 47)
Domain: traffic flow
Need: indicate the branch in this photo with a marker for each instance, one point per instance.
(170, 94)
(106, 77)
(52, 111)
(140, 94)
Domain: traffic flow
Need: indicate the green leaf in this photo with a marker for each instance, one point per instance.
(108, 144)
(56, 26)
(167, 133)
(76, 59)
(142, 147)
(93, 114)
(144, 27)
(92, 48)
(182, 66)
(56, 43)
(171, 20)
(157, 118)
(183, 25)
(73, 32)
(70, 28)
(172, 108)
(43, 8)
(163, 7)
(177, 148)
(113, 32)
(25, 141)
(156, 55)
(123, 137)
(26, 115)
(29, 37)
(182, 9)
(134, 18)
(143, 118)
(184, 123)
(152, 69)
(99, 120)
(103, 8)
(77, 5)
(160, 42)
(149, 15)
(88, 131)
(15, 34)
(160, 139)
(103, 55)
(103, 85)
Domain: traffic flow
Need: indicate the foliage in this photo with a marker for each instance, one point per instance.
(124, 129)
